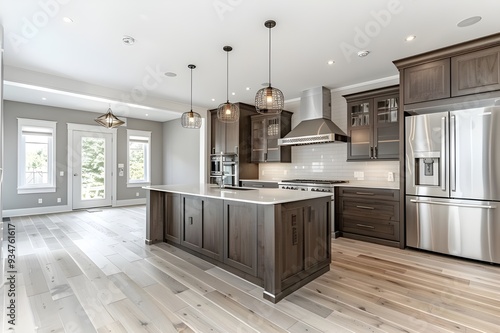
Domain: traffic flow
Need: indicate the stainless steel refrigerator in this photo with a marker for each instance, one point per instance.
(453, 182)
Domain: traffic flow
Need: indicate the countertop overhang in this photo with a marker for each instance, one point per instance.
(264, 196)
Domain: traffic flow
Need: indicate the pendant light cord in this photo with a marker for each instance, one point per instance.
(191, 90)
(270, 56)
(227, 76)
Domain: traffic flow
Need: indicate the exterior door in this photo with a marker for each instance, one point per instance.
(92, 170)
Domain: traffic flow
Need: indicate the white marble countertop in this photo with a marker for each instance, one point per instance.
(260, 180)
(261, 196)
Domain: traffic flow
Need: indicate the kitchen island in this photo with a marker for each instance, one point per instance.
(279, 240)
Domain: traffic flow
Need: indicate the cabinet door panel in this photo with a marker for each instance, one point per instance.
(240, 236)
(316, 234)
(427, 82)
(173, 217)
(360, 144)
(476, 72)
(212, 228)
(192, 222)
(259, 147)
(293, 241)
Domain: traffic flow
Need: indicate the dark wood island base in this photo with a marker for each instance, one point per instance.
(280, 246)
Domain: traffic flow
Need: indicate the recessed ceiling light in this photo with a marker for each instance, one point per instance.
(233, 93)
(213, 99)
(67, 19)
(44, 98)
(469, 21)
(147, 114)
(247, 88)
(170, 74)
(410, 38)
(331, 62)
(128, 40)
(363, 53)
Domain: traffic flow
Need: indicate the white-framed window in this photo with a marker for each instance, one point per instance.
(138, 158)
(36, 168)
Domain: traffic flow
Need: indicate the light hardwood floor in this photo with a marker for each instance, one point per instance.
(91, 271)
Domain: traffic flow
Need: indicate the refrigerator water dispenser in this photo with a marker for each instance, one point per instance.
(427, 171)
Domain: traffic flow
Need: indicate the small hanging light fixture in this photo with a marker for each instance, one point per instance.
(109, 120)
(191, 119)
(228, 112)
(269, 100)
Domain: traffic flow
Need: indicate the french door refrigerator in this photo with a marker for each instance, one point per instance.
(453, 182)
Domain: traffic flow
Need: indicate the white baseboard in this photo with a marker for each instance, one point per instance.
(35, 211)
(130, 202)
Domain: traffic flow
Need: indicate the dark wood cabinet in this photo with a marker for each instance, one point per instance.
(368, 214)
(373, 124)
(172, 217)
(305, 238)
(202, 227)
(266, 130)
(427, 82)
(240, 236)
(235, 138)
(475, 72)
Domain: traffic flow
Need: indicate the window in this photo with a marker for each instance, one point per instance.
(36, 156)
(138, 158)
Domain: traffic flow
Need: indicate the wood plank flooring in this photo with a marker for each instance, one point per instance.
(91, 272)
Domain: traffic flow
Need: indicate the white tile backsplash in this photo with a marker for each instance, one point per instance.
(329, 161)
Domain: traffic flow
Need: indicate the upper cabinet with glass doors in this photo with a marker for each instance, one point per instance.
(373, 124)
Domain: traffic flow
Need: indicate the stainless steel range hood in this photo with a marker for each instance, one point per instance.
(316, 125)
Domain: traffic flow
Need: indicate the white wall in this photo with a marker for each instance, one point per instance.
(328, 161)
(184, 153)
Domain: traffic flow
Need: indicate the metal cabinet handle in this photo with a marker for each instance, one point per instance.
(443, 153)
(371, 152)
(365, 193)
(365, 226)
(365, 207)
(190, 220)
(265, 156)
(376, 153)
(453, 155)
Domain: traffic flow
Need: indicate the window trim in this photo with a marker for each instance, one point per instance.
(23, 188)
(139, 183)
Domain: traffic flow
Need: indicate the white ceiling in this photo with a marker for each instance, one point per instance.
(87, 57)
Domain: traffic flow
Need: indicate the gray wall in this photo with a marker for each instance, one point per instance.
(14, 110)
(181, 153)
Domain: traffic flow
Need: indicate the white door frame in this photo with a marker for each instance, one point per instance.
(96, 129)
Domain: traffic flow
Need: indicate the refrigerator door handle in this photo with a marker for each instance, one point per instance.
(453, 204)
(443, 153)
(453, 162)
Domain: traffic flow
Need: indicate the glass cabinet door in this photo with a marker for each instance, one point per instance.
(259, 141)
(386, 128)
(359, 117)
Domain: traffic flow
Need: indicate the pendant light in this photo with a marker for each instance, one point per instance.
(228, 112)
(191, 119)
(109, 120)
(269, 100)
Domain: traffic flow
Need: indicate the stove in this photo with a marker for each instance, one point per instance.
(317, 185)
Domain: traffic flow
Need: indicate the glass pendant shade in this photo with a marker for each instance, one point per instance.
(228, 112)
(269, 100)
(191, 119)
(109, 120)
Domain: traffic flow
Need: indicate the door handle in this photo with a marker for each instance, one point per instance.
(376, 153)
(371, 152)
(453, 204)
(453, 155)
(365, 226)
(443, 153)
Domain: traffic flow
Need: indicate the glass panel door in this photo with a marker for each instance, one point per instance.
(91, 169)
